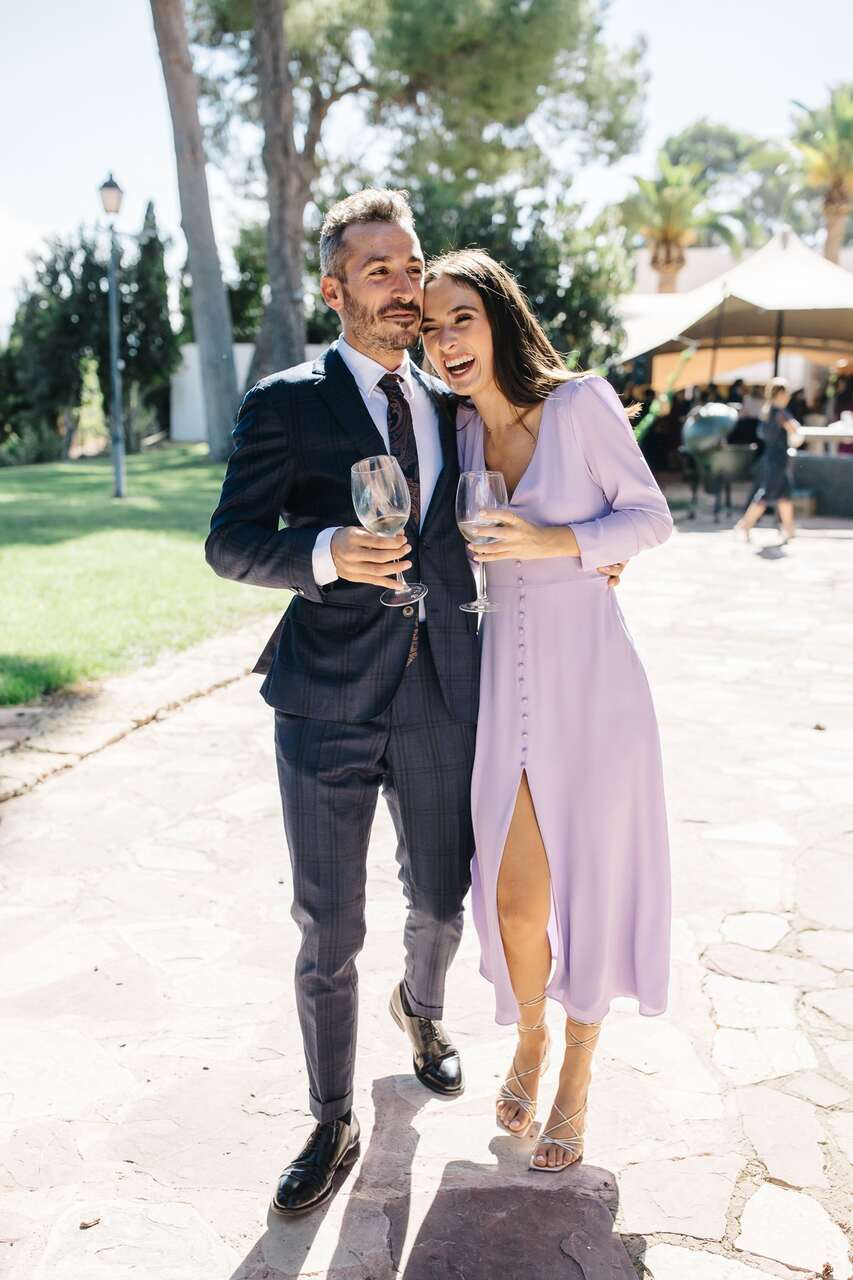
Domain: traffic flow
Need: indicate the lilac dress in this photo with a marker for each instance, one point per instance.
(563, 695)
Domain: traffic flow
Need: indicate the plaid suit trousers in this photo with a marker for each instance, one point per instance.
(330, 774)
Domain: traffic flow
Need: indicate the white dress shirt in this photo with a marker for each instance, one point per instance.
(367, 374)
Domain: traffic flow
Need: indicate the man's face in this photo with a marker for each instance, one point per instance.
(380, 298)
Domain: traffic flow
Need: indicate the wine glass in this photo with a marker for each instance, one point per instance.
(479, 491)
(383, 503)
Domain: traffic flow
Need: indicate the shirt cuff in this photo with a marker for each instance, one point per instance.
(322, 561)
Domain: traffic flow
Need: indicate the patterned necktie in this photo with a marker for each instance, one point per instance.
(401, 442)
(401, 439)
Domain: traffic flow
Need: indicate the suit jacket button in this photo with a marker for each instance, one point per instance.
(408, 611)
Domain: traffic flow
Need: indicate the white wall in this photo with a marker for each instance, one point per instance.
(187, 405)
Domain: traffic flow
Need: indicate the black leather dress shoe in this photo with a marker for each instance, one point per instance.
(308, 1181)
(435, 1060)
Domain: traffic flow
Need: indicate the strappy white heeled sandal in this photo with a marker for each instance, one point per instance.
(572, 1144)
(523, 1099)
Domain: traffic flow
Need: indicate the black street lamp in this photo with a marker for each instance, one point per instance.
(111, 196)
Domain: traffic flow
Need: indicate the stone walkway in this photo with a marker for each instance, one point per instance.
(151, 1077)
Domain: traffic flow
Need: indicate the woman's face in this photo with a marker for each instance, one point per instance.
(781, 398)
(457, 336)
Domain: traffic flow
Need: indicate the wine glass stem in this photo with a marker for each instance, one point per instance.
(481, 581)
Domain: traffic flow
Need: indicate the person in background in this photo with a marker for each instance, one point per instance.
(774, 482)
(628, 394)
(736, 392)
(843, 403)
(798, 407)
(843, 399)
(752, 404)
(646, 396)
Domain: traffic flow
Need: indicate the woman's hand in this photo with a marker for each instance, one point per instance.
(613, 572)
(518, 539)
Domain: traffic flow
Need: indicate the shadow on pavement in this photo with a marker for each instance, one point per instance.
(538, 1232)
(484, 1220)
(771, 553)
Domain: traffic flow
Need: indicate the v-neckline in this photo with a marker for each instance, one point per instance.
(532, 458)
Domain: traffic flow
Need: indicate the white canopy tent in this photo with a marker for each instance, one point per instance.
(783, 298)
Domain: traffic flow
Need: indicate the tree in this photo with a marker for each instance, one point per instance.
(25, 434)
(824, 138)
(46, 337)
(763, 179)
(13, 398)
(716, 150)
(153, 351)
(572, 274)
(211, 318)
(670, 212)
(284, 342)
(250, 287)
(479, 90)
(62, 322)
(247, 291)
(41, 371)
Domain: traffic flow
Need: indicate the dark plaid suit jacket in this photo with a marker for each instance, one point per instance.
(337, 654)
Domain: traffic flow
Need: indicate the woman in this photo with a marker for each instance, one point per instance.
(774, 482)
(571, 870)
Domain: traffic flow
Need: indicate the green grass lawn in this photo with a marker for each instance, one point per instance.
(90, 585)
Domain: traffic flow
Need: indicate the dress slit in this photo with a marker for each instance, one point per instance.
(553, 927)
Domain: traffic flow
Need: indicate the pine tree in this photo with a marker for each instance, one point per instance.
(153, 351)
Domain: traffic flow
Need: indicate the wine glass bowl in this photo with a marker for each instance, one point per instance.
(383, 504)
(476, 492)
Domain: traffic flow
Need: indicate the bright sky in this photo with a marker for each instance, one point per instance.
(81, 93)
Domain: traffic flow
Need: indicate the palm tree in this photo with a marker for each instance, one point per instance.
(824, 138)
(211, 316)
(671, 212)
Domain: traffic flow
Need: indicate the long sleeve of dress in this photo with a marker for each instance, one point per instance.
(639, 516)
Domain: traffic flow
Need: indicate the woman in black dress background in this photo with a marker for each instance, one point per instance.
(774, 479)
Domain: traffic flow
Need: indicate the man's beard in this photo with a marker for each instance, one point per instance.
(367, 325)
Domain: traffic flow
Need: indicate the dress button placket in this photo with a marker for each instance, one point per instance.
(522, 613)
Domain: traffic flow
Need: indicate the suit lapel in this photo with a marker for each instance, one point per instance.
(343, 400)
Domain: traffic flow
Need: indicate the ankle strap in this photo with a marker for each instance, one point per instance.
(525, 1004)
(576, 1043)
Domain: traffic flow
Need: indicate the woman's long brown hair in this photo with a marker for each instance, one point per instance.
(527, 367)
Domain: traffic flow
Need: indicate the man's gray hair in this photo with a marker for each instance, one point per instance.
(365, 206)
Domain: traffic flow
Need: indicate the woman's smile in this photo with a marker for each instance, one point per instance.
(458, 367)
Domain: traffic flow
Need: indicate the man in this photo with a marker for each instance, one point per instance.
(364, 696)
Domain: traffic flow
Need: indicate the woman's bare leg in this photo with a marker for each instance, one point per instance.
(524, 905)
(581, 1039)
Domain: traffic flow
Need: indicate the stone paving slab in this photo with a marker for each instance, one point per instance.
(152, 1082)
